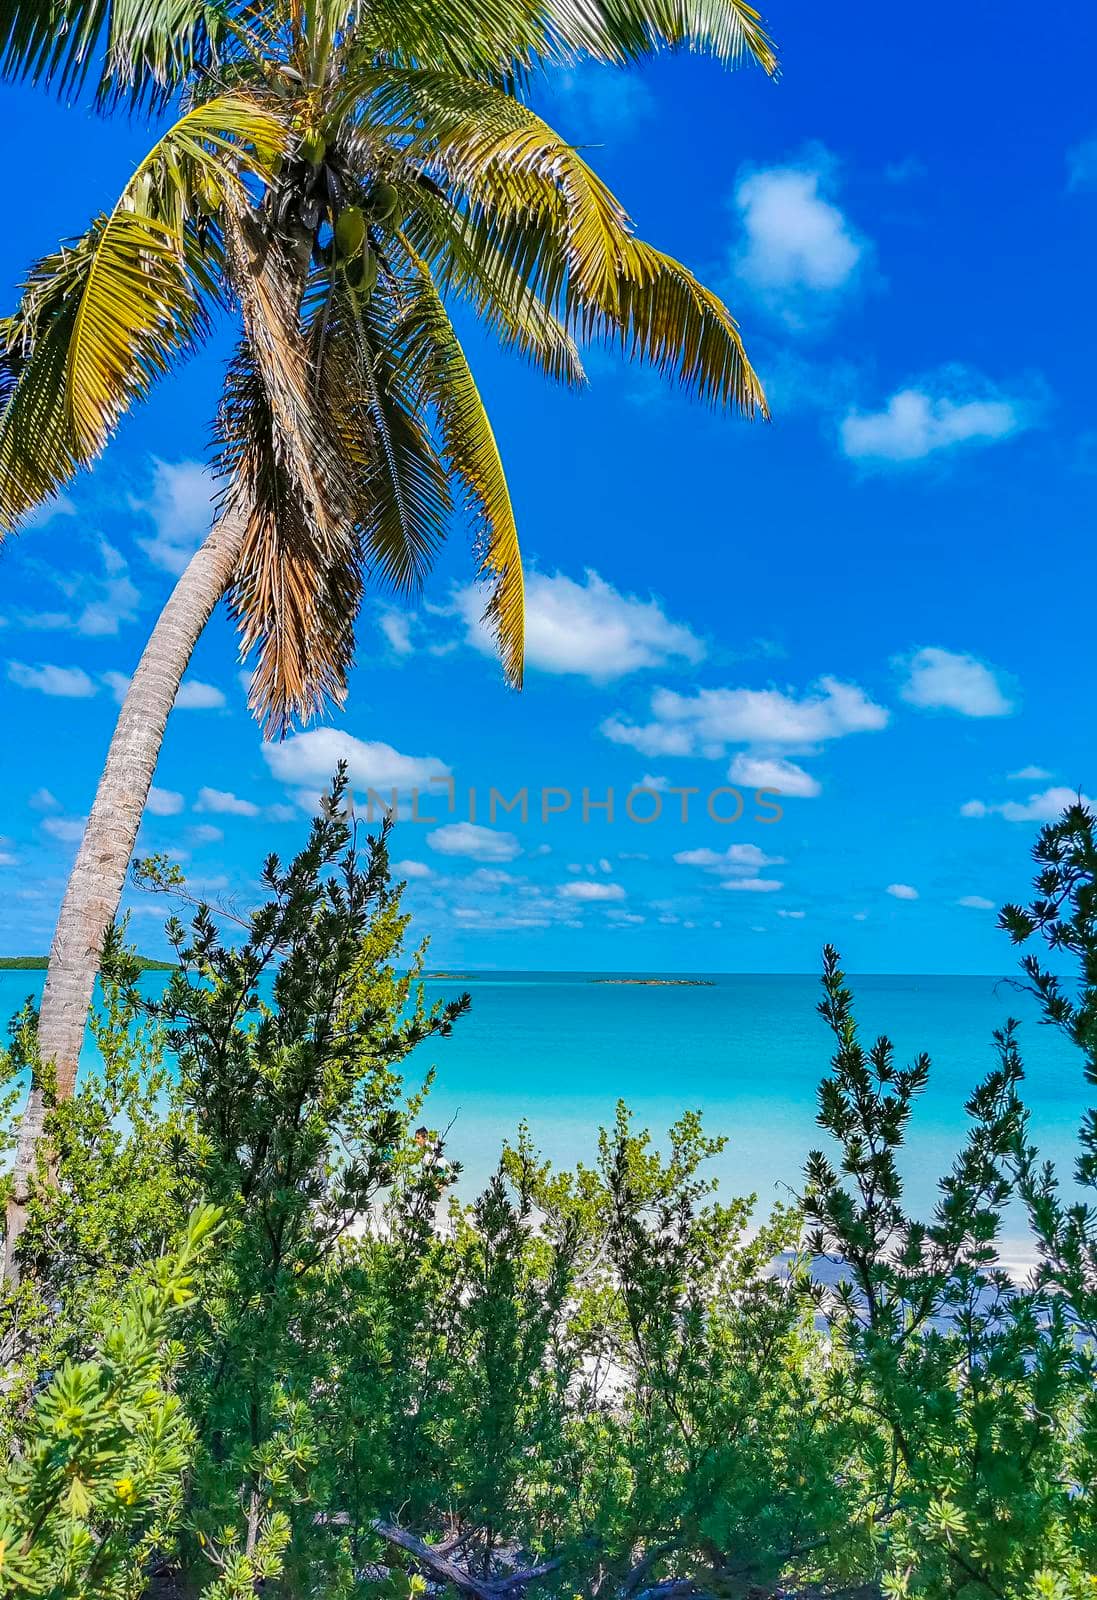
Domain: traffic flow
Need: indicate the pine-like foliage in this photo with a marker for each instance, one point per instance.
(605, 1381)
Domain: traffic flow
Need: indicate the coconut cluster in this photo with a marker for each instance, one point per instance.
(315, 189)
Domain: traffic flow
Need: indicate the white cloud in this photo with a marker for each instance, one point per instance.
(67, 683)
(773, 772)
(581, 889)
(43, 800)
(196, 696)
(472, 839)
(411, 869)
(944, 680)
(793, 916)
(709, 720)
(747, 858)
(588, 629)
(1044, 807)
(975, 902)
(799, 252)
(181, 506)
(70, 830)
(902, 891)
(754, 885)
(1030, 774)
(225, 803)
(310, 759)
(164, 802)
(396, 627)
(921, 421)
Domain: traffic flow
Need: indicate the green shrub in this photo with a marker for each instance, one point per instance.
(606, 1381)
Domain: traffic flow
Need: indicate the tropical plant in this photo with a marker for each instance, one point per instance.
(96, 1490)
(339, 175)
(602, 1381)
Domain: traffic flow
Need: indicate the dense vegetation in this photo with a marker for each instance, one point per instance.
(40, 963)
(260, 1346)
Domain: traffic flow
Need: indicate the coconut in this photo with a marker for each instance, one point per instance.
(350, 231)
(361, 272)
(207, 198)
(383, 199)
(313, 148)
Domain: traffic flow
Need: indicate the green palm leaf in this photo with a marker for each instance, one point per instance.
(469, 446)
(143, 49)
(101, 320)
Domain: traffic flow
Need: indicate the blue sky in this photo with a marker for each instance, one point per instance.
(878, 603)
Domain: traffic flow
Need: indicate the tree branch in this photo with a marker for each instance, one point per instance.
(434, 1559)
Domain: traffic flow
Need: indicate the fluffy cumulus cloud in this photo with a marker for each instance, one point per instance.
(956, 408)
(945, 680)
(797, 251)
(587, 629)
(975, 902)
(737, 858)
(180, 506)
(773, 772)
(65, 683)
(196, 696)
(581, 889)
(222, 802)
(1045, 806)
(902, 891)
(307, 761)
(709, 720)
(164, 802)
(1030, 774)
(473, 840)
(411, 869)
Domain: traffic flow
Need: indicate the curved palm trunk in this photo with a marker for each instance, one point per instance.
(99, 874)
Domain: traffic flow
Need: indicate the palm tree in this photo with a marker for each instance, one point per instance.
(339, 175)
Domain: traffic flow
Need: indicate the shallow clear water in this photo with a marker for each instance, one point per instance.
(558, 1050)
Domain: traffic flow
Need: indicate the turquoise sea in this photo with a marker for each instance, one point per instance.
(747, 1050)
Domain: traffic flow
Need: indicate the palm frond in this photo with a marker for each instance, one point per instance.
(294, 598)
(406, 501)
(298, 581)
(468, 444)
(502, 157)
(558, 230)
(102, 319)
(468, 259)
(622, 31)
(502, 40)
(663, 315)
(143, 49)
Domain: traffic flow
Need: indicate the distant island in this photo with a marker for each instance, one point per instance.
(677, 983)
(40, 963)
